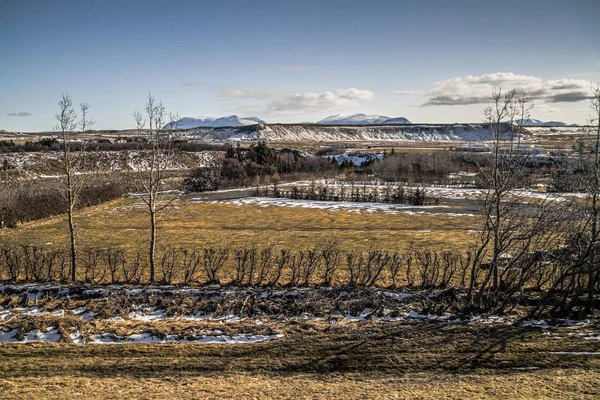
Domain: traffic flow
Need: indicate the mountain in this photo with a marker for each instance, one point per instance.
(354, 119)
(362, 119)
(231, 120)
(537, 122)
(303, 132)
(396, 121)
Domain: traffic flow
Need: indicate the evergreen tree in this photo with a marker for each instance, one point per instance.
(230, 152)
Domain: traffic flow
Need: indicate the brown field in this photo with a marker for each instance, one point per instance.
(366, 360)
(199, 224)
(318, 360)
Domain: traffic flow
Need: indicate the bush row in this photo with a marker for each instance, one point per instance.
(268, 265)
(326, 264)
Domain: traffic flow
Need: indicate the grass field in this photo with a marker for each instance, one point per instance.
(314, 359)
(197, 224)
(369, 360)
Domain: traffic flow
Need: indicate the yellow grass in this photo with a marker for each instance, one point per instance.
(549, 384)
(197, 224)
(406, 360)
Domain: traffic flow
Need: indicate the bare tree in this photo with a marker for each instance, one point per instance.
(594, 192)
(152, 166)
(85, 123)
(6, 190)
(74, 164)
(502, 176)
(516, 232)
(576, 267)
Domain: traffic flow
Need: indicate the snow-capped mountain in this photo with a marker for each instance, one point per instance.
(231, 120)
(396, 121)
(304, 132)
(362, 119)
(537, 122)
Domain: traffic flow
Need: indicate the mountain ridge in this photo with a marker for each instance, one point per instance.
(537, 122)
(210, 122)
(362, 119)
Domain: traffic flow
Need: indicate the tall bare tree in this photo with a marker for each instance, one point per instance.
(505, 114)
(579, 260)
(73, 163)
(6, 188)
(594, 194)
(85, 123)
(152, 166)
(512, 230)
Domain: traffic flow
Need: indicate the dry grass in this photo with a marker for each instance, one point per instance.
(564, 384)
(198, 224)
(365, 360)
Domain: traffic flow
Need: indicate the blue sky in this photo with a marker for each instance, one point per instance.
(294, 61)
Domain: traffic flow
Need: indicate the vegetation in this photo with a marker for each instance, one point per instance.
(407, 359)
(524, 258)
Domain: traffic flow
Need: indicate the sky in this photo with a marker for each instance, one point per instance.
(294, 61)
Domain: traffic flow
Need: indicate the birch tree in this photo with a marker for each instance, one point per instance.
(514, 229)
(579, 259)
(594, 191)
(85, 123)
(152, 167)
(73, 164)
(6, 187)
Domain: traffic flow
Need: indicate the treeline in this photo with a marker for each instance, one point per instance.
(259, 163)
(574, 178)
(130, 143)
(432, 168)
(353, 192)
(31, 200)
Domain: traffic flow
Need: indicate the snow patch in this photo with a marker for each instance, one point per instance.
(328, 205)
(111, 338)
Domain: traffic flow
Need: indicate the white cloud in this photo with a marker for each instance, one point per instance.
(477, 89)
(19, 114)
(242, 92)
(548, 109)
(322, 101)
(286, 101)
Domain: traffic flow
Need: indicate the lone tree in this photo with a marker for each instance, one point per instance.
(152, 166)
(74, 164)
(594, 271)
(6, 188)
(85, 123)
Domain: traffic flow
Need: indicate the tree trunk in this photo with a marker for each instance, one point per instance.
(152, 244)
(72, 237)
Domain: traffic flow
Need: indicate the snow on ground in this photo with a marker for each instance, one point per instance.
(387, 306)
(446, 192)
(51, 335)
(421, 133)
(356, 159)
(327, 205)
(151, 314)
(47, 164)
(111, 338)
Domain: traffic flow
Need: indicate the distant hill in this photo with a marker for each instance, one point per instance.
(537, 122)
(231, 120)
(303, 132)
(362, 119)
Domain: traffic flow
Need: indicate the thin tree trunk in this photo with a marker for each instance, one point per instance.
(71, 200)
(72, 234)
(152, 244)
